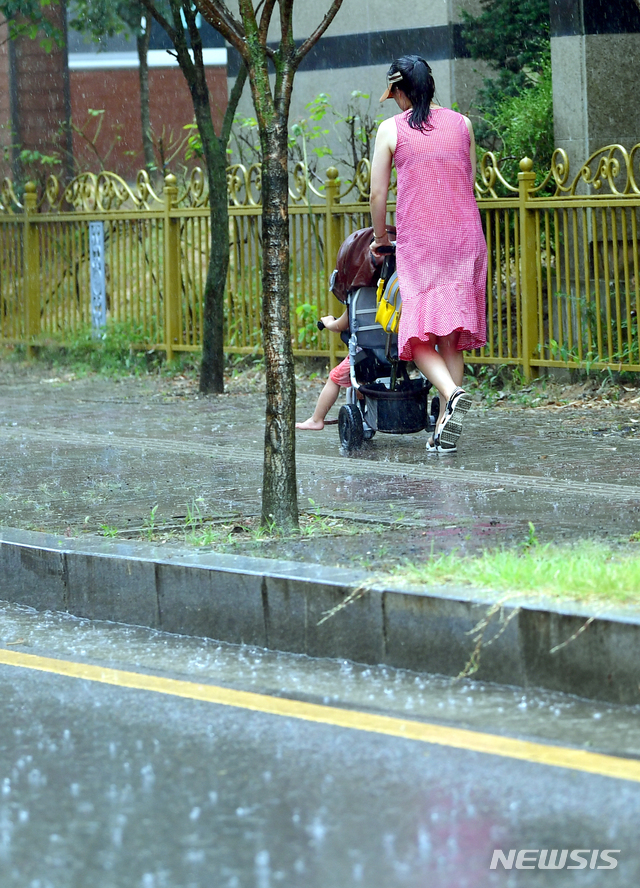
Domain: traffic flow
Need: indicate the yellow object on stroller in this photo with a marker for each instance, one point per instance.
(389, 302)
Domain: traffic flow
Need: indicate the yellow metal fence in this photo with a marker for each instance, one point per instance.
(563, 274)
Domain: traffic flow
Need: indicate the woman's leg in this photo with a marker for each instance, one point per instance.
(454, 361)
(444, 367)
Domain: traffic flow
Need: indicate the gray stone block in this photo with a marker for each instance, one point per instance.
(598, 660)
(295, 608)
(285, 608)
(33, 576)
(224, 605)
(433, 634)
(118, 589)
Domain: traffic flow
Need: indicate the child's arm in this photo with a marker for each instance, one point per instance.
(336, 325)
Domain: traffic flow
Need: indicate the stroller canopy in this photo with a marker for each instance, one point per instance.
(355, 267)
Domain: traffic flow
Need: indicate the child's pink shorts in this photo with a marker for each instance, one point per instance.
(341, 374)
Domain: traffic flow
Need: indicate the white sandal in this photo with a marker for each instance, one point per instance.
(457, 407)
(436, 445)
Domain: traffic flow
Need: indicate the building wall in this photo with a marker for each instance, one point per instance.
(369, 34)
(353, 55)
(365, 36)
(117, 92)
(38, 85)
(105, 77)
(40, 91)
(595, 54)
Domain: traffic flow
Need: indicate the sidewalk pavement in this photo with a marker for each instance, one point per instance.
(83, 456)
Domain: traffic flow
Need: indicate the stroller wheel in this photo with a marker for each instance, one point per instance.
(350, 427)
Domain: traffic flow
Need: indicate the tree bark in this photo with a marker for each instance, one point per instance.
(279, 484)
(214, 148)
(212, 364)
(142, 41)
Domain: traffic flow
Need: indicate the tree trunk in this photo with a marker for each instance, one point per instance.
(249, 38)
(212, 366)
(142, 41)
(279, 485)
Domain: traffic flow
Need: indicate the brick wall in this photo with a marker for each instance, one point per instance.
(117, 93)
(40, 85)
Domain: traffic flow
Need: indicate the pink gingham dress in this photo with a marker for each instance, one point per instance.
(441, 251)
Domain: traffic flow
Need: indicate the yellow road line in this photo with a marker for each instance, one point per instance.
(457, 738)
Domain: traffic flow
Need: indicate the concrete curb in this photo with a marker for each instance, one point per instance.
(278, 605)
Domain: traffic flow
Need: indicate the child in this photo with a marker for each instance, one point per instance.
(339, 376)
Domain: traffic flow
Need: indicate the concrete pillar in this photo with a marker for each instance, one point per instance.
(595, 55)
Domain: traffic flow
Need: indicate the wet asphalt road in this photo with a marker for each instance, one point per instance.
(125, 787)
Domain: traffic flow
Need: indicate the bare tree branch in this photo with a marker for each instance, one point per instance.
(194, 35)
(218, 15)
(248, 15)
(304, 48)
(286, 22)
(288, 42)
(179, 40)
(265, 19)
(256, 34)
(152, 9)
(232, 105)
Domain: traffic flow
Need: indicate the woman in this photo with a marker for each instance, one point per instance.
(440, 248)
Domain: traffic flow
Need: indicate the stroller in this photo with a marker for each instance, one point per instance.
(383, 397)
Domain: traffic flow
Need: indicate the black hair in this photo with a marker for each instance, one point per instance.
(418, 85)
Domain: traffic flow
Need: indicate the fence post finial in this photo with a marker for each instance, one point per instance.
(30, 196)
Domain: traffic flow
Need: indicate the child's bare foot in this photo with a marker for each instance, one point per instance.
(311, 425)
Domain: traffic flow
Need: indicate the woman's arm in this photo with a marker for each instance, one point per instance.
(385, 146)
(472, 149)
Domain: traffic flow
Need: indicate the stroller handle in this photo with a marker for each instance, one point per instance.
(385, 250)
(320, 325)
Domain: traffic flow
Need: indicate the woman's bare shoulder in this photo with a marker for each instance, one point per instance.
(387, 127)
(387, 136)
(468, 124)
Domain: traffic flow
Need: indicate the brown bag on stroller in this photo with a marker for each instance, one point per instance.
(355, 266)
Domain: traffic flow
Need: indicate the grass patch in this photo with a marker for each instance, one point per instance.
(120, 350)
(588, 572)
(239, 533)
